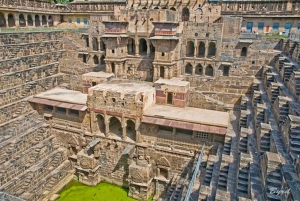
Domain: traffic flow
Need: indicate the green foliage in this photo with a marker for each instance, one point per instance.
(61, 1)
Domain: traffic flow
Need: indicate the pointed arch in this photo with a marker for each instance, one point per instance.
(100, 123)
(130, 130)
(212, 49)
(209, 71)
(2, 20)
(95, 44)
(102, 45)
(11, 20)
(96, 59)
(189, 69)
(44, 20)
(163, 161)
(29, 20)
(185, 14)
(22, 21)
(115, 127)
(201, 49)
(102, 61)
(131, 46)
(199, 70)
(37, 21)
(190, 48)
(143, 46)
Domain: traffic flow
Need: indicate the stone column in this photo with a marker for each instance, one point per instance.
(137, 130)
(124, 136)
(41, 20)
(26, 19)
(154, 72)
(195, 48)
(17, 22)
(137, 50)
(108, 67)
(158, 71)
(194, 68)
(129, 46)
(171, 72)
(203, 71)
(6, 19)
(206, 49)
(117, 69)
(165, 73)
(99, 43)
(106, 127)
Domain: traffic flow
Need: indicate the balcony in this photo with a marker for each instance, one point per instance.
(115, 31)
(164, 33)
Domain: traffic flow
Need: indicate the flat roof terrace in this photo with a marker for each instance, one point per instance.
(64, 95)
(60, 97)
(123, 87)
(189, 114)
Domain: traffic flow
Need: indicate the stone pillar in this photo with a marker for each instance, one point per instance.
(203, 71)
(41, 20)
(206, 49)
(124, 136)
(158, 72)
(137, 130)
(171, 72)
(148, 48)
(108, 67)
(195, 48)
(194, 68)
(99, 43)
(154, 72)
(6, 19)
(165, 73)
(26, 19)
(137, 50)
(106, 127)
(17, 22)
(117, 69)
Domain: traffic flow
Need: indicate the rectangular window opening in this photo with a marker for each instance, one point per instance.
(276, 26)
(74, 112)
(62, 110)
(261, 26)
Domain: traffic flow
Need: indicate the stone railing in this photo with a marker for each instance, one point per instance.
(248, 36)
(28, 5)
(275, 13)
(39, 5)
(295, 36)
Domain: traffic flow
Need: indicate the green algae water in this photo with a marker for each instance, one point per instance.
(76, 191)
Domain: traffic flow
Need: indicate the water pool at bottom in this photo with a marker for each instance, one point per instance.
(76, 191)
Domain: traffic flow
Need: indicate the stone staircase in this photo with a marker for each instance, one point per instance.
(243, 181)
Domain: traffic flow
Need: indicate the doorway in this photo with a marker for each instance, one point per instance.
(226, 71)
(170, 98)
(162, 72)
(249, 27)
